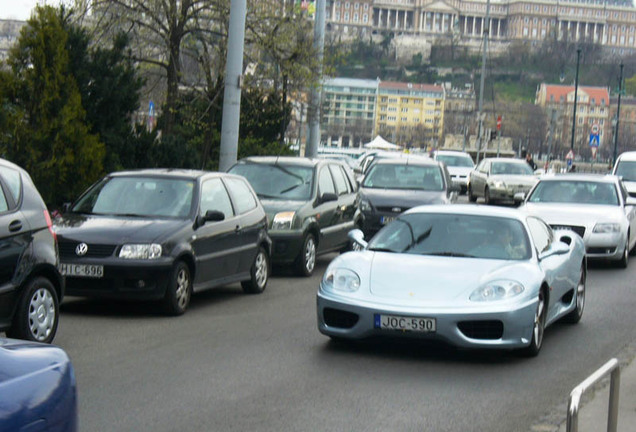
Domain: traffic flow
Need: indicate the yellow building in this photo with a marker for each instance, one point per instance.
(410, 115)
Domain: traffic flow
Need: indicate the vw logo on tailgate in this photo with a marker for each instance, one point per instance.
(81, 249)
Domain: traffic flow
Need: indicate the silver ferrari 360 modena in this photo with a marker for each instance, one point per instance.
(472, 276)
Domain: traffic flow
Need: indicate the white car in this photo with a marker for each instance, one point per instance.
(625, 167)
(459, 165)
(597, 207)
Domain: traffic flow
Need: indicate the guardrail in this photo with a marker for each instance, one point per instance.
(611, 367)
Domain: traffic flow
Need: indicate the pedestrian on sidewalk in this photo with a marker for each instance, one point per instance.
(530, 161)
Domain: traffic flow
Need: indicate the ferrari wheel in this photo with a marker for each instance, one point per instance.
(538, 328)
(575, 316)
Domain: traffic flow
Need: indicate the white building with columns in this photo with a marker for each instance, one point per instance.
(609, 23)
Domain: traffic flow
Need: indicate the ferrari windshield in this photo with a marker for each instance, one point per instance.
(575, 192)
(396, 176)
(511, 168)
(278, 181)
(138, 196)
(454, 235)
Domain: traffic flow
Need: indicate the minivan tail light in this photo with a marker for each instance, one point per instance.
(49, 224)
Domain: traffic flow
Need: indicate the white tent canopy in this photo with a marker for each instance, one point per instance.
(380, 143)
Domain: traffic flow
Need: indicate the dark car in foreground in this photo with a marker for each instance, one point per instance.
(30, 285)
(38, 391)
(310, 204)
(163, 234)
(394, 185)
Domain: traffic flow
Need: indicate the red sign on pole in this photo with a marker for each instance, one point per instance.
(499, 123)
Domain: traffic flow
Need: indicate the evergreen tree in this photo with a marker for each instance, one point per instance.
(48, 134)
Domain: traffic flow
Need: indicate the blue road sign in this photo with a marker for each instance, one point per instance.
(594, 140)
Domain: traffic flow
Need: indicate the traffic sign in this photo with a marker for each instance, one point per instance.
(499, 123)
(593, 152)
(594, 140)
(594, 129)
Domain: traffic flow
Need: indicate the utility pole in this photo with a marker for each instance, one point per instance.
(618, 115)
(552, 119)
(576, 91)
(313, 111)
(480, 129)
(233, 81)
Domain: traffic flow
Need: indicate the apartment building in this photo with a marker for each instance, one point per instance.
(609, 23)
(592, 108)
(411, 115)
(348, 111)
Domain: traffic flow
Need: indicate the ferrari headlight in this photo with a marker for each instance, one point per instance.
(140, 251)
(283, 220)
(607, 228)
(340, 279)
(499, 184)
(365, 205)
(497, 290)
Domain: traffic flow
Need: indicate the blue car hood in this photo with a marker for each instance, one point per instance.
(115, 229)
(21, 358)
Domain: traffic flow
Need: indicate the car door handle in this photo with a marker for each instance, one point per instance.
(15, 225)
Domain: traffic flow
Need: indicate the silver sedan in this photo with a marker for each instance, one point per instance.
(472, 276)
(597, 207)
(499, 179)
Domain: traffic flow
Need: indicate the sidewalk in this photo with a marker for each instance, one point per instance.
(593, 411)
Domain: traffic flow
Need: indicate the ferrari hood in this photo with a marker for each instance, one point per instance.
(431, 278)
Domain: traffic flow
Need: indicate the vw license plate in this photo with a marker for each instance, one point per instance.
(82, 270)
(393, 322)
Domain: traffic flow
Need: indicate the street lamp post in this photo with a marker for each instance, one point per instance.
(618, 113)
(576, 91)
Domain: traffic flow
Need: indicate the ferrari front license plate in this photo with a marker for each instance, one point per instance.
(82, 270)
(393, 322)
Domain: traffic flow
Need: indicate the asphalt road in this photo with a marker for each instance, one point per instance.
(237, 362)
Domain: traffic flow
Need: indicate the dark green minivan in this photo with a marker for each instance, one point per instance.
(310, 204)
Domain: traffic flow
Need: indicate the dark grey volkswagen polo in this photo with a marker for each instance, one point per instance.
(163, 234)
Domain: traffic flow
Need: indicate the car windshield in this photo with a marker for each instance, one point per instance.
(453, 235)
(138, 196)
(395, 176)
(627, 170)
(456, 160)
(511, 168)
(574, 192)
(278, 181)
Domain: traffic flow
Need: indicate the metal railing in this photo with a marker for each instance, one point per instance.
(612, 367)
